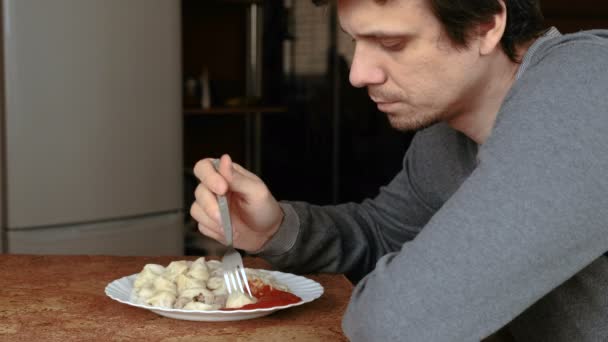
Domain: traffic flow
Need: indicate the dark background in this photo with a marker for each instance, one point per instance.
(322, 141)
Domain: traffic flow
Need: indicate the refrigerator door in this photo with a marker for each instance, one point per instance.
(93, 110)
(154, 235)
(2, 192)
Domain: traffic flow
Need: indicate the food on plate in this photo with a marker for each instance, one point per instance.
(199, 285)
(161, 299)
(267, 292)
(238, 299)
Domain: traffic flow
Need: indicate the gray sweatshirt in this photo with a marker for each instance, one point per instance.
(467, 239)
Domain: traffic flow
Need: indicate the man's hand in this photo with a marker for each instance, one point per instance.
(255, 213)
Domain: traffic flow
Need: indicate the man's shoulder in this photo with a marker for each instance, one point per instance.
(564, 80)
(590, 43)
(596, 35)
(573, 58)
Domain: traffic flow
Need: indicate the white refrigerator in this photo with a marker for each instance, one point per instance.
(91, 127)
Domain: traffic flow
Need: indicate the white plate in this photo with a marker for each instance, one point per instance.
(307, 289)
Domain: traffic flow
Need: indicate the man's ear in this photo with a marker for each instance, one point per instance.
(490, 33)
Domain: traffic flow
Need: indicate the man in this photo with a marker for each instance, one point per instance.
(499, 216)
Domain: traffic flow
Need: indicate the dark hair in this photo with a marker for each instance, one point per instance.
(524, 20)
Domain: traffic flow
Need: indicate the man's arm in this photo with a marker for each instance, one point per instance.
(350, 238)
(347, 238)
(530, 216)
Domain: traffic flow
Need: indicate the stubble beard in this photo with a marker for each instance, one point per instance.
(412, 121)
(407, 117)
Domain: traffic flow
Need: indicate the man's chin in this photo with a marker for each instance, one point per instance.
(400, 123)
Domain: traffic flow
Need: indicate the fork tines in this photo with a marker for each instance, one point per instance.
(236, 281)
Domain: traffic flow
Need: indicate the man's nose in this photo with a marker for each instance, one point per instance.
(365, 69)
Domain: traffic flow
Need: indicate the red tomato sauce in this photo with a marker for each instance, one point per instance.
(270, 297)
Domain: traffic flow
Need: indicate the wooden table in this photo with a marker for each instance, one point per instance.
(61, 298)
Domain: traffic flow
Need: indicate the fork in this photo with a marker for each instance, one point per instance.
(232, 263)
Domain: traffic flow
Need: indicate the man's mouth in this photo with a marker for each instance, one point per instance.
(384, 105)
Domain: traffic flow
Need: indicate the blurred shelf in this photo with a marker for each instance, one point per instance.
(233, 110)
(252, 116)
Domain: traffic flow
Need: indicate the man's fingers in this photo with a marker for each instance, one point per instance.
(229, 176)
(204, 220)
(244, 182)
(208, 176)
(225, 167)
(211, 233)
(207, 201)
(244, 172)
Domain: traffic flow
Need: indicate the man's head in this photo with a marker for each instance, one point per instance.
(425, 61)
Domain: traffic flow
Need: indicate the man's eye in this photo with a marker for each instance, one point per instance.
(392, 43)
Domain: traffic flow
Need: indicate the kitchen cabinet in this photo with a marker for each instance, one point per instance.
(222, 69)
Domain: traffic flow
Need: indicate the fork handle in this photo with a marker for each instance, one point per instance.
(224, 211)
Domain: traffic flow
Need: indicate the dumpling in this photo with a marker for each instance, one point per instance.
(214, 265)
(176, 268)
(237, 299)
(219, 300)
(200, 260)
(180, 302)
(163, 284)
(161, 299)
(220, 291)
(147, 275)
(215, 283)
(196, 292)
(199, 270)
(145, 292)
(185, 282)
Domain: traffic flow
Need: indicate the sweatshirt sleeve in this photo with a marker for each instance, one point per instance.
(530, 216)
(350, 238)
(347, 238)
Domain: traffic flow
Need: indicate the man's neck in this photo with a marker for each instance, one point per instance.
(477, 122)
